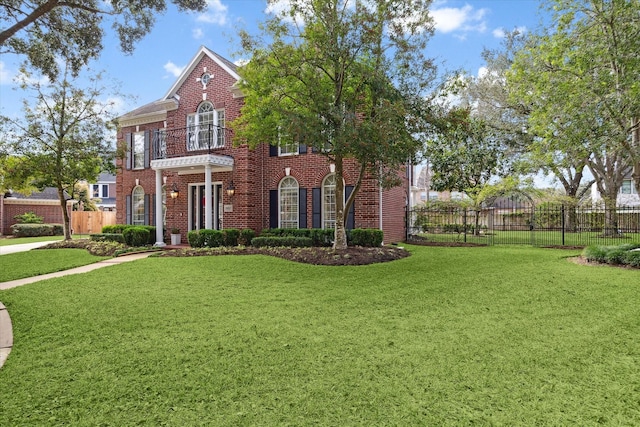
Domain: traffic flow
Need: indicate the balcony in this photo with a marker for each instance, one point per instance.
(189, 141)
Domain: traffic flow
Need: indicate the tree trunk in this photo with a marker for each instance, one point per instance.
(340, 240)
(571, 219)
(65, 214)
(610, 218)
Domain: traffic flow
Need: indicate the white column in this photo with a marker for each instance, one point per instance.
(208, 200)
(158, 210)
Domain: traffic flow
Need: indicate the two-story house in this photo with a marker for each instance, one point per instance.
(182, 170)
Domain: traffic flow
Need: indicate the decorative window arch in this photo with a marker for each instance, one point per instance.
(288, 203)
(206, 127)
(329, 201)
(137, 204)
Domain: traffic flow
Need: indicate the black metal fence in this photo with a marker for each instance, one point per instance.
(545, 225)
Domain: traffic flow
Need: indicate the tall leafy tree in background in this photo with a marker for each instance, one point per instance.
(346, 78)
(44, 30)
(580, 79)
(63, 138)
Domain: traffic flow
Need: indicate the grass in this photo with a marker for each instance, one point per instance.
(37, 262)
(7, 241)
(448, 336)
(535, 238)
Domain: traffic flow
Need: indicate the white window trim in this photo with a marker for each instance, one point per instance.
(295, 203)
(138, 136)
(135, 220)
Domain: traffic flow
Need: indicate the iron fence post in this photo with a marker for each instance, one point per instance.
(563, 222)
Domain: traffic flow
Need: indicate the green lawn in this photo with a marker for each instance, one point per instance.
(6, 241)
(41, 261)
(448, 336)
(535, 238)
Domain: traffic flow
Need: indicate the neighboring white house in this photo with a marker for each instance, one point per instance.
(627, 196)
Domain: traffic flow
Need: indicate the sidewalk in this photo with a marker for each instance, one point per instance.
(23, 247)
(6, 330)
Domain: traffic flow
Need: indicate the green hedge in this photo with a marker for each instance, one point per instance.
(136, 236)
(37, 230)
(246, 236)
(368, 237)
(120, 228)
(278, 241)
(215, 238)
(318, 236)
(107, 237)
(614, 255)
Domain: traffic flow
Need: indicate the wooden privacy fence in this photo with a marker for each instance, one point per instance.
(89, 222)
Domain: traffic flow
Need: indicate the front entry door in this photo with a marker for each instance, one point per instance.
(197, 207)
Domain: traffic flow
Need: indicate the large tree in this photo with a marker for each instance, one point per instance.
(580, 78)
(346, 78)
(63, 138)
(44, 30)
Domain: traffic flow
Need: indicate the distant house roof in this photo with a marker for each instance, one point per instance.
(106, 177)
(48, 193)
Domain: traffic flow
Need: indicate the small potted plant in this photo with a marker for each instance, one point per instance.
(175, 236)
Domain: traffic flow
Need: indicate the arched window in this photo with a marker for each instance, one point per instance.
(329, 201)
(205, 128)
(137, 204)
(288, 199)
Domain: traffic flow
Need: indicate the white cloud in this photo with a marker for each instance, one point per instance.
(216, 13)
(5, 75)
(466, 18)
(197, 33)
(172, 68)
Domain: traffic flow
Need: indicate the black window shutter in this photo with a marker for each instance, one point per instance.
(302, 208)
(129, 143)
(128, 209)
(147, 149)
(351, 217)
(302, 149)
(146, 209)
(273, 150)
(273, 209)
(316, 208)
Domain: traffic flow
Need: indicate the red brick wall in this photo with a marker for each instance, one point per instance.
(49, 210)
(255, 172)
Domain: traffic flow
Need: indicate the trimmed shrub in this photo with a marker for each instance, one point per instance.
(107, 237)
(246, 236)
(195, 239)
(212, 238)
(29, 218)
(595, 253)
(278, 241)
(322, 237)
(367, 237)
(115, 228)
(230, 236)
(37, 230)
(136, 236)
(632, 258)
(615, 255)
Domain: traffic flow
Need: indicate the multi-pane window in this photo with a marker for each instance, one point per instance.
(137, 206)
(288, 203)
(138, 150)
(205, 128)
(627, 187)
(329, 202)
(287, 145)
(100, 191)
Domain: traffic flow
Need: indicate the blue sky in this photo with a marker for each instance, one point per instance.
(463, 29)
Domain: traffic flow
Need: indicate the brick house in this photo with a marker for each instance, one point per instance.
(42, 203)
(182, 170)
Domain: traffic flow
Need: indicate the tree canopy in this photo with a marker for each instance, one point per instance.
(64, 137)
(347, 78)
(43, 30)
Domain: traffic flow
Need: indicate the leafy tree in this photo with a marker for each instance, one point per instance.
(580, 80)
(63, 138)
(72, 30)
(83, 197)
(346, 78)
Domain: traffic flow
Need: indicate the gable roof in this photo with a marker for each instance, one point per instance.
(225, 64)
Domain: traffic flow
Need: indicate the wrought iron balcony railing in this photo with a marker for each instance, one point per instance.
(168, 143)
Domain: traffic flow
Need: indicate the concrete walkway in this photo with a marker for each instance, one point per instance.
(23, 247)
(6, 330)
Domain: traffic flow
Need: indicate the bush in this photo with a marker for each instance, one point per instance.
(115, 228)
(212, 238)
(595, 253)
(107, 237)
(29, 218)
(136, 236)
(277, 241)
(195, 239)
(322, 237)
(246, 236)
(632, 258)
(615, 255)
(231, 236)
(367, 237)
(37, 230)
(120, 228)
